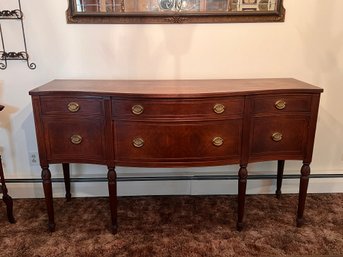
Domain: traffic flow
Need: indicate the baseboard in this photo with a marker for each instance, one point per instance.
(176, 185)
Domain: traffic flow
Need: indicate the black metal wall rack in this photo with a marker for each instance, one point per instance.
(5, 56)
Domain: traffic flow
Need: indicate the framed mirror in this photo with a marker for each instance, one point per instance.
(174, 11)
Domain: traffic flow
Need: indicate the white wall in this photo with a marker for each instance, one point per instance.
(307, 46)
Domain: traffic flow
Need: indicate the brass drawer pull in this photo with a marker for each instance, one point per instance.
(138, 142)
(218, 108)
(73, 107)
(76, 139)
(137, 109)
(277, 136)
(280, 104)
(217, 141)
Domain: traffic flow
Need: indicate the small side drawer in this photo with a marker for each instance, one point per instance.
(72, 105)
(281, 103)
(279, 135)
(157, 108)
(80, 139)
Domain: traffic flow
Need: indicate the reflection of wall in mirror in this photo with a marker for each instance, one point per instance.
(174, 5)
(152, 5)
(195, 5)
(253, 5)
(98, 5)
(141, 6)
(119, 5)
(216, 5)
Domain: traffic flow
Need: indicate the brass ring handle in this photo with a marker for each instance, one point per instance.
(138, 142)
(137, 109)
(76, 139)
(217, 141)
(218, 108)
(280, 104)
(73, 107)
(277, 136)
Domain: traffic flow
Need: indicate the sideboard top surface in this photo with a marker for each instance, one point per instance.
(175, 88)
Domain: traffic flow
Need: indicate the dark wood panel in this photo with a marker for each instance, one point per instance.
(174, 88)
(293, 130)
(59, 145)
(64, 105)
(216, 108)
(280, 103)
(178, 142)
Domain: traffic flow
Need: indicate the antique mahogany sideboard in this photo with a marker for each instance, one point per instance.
(175, 123)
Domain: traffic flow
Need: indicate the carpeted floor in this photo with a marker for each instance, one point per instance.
(175, 226)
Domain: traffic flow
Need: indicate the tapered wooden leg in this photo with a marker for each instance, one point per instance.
(47, 186)
(112, 189)
(280, 169)
(5, 197)
(9, 205)
(305, 174)
(242, 182)
(66, 175)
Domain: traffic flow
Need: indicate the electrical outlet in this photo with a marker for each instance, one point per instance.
(34, 159)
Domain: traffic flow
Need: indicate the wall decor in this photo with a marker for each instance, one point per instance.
(174, 11)
(5, 56)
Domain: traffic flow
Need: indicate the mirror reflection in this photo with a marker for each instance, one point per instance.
(172, 6)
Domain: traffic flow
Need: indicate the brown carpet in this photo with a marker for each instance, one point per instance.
(179, 226)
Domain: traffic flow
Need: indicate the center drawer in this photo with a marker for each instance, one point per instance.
(177, 141)
(169, 108)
